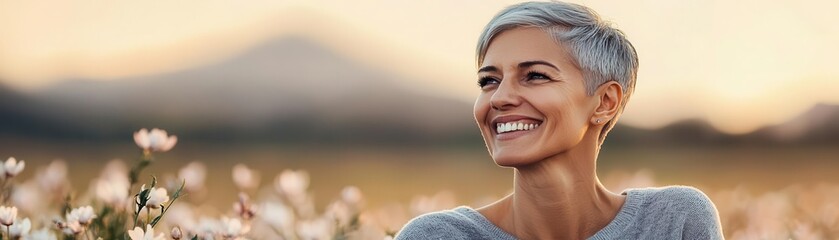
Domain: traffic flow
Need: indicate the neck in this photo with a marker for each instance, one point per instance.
(558, 198)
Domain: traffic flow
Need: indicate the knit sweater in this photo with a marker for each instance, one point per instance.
(675, 212)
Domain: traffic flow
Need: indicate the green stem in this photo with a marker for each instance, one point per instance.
(148, 215)
(134, 175)
(6, 189)
(137, 215)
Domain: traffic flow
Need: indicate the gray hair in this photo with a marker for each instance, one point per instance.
(601, 51)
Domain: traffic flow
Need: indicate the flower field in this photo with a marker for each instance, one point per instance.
(128, 201)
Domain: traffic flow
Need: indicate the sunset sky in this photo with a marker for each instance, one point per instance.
(738, 64)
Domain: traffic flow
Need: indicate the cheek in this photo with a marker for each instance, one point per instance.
(480, 110)
(565, 113)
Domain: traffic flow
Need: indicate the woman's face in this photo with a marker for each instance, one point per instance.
(533, 103)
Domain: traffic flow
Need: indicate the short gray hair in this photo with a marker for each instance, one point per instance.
(601, 51)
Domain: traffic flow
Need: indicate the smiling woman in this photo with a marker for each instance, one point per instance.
(554, 79)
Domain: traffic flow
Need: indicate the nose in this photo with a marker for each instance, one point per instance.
(506, 96)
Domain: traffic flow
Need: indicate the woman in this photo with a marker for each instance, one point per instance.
(554, 79)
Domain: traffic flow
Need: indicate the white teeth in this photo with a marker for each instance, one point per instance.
(517, 126)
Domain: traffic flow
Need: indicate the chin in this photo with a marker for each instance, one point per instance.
(513, 158)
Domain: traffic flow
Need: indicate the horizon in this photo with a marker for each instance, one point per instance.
(758, 87)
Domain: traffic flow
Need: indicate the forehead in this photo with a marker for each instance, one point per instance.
(521, 44)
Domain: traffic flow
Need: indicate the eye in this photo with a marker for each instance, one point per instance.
(532, 75)
(485, 82)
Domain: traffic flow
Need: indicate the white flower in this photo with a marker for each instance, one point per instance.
(8, 215)
(54, 177)
(20, 228)
(233, 227)
(82, 215)
(139, 234)
(293, 184)
(315, 229)
(71, 227)
(157, 196)
(12, 167)
(194, 174)
(351, 195)
(244, 177)
(41, 234)
(277, 215)
(207, 227)
(157, 140)
(29, 198)
(113, 192)
(181, 215)
(115, 169)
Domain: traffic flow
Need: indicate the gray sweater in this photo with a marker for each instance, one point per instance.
(675, 212)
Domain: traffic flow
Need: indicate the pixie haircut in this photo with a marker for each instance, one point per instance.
(601, 51)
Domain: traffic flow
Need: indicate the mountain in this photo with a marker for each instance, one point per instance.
(818, 125)
(293, 90)
(287, 89)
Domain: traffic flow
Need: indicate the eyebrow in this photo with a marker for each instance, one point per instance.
(524, 64)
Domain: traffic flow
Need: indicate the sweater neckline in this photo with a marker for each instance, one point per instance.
(621, 221)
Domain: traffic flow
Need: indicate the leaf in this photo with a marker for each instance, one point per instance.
(142, 198)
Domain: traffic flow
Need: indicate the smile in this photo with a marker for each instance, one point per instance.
(515, 126)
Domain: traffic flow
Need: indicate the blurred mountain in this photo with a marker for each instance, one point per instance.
(289, 89)
(817, 126)
(293, 90)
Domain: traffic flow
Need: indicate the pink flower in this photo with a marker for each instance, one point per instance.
(139, 234)
(244, 177)
(12, 167)
(157, 140)
(293, 184)
(82, 215)
(157, 196)
(8, 215)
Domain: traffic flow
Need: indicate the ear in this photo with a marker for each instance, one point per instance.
(609, 96)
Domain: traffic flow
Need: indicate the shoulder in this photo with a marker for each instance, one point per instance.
(447, 224)
(701, 219)
(676, 197)
(436, 225)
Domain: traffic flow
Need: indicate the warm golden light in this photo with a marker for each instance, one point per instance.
(740, 65)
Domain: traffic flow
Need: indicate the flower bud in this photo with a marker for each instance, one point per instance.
(176, 233)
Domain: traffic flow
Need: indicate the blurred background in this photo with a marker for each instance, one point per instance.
(740, 99)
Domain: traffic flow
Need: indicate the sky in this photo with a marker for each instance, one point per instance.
(740, 65)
